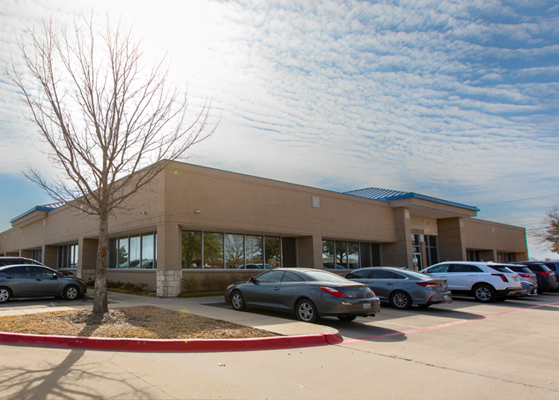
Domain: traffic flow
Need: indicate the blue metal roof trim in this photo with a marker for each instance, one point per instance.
(389, 195)
(45, 207)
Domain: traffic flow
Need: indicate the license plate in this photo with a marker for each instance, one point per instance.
(366, 306)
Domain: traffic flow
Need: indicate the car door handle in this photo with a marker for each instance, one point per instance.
(38, 279)
(276, 288)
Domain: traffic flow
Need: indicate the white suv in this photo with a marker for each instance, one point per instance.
(487, 282)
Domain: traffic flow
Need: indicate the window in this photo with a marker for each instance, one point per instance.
(416, 251)
(474, 255)
(353, 255)
(42, 273)
(191, 249)
(213, 250)
(133, 252)
(270, 277)
(382, 274)
(360, 274)
(506, 257)
(349, 255)
(291, 277)
(272, 251)
(439, 269)
(228, 250)
(254, 250)
(67, 256)
(328, 260)
(37, 255)
(432, 249)
(19, 271)
(234, 250)
(463, 268)
(341, 254)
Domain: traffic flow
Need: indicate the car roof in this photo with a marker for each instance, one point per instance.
(26, 265)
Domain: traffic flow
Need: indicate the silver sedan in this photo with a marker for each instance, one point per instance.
(309, 293)
(401, 287)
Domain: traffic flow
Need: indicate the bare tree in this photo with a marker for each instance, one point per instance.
(548, 233)
(112, 122)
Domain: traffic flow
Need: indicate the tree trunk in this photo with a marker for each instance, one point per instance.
(100, 292)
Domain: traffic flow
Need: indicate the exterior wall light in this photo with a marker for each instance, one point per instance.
(197, 211)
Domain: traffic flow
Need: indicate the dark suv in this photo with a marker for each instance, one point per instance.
(17, 260)
(547, 279)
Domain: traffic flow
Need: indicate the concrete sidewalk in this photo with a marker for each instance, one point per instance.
(294, 333)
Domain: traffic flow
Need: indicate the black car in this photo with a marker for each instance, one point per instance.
(308, 293)
(547, 279)
(30, 280)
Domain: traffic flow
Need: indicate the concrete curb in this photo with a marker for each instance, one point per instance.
(172, 345)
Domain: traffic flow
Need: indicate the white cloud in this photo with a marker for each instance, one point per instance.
(456, 99)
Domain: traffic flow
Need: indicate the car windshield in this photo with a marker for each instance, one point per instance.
(325, 276)
(500, 268)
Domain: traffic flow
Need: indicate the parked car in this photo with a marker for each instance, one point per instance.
(401, 287)
(547, 279)
(554, 266)
(309, 293)
(528, 279)
(17, 260)
(31, 280)
(485, 282)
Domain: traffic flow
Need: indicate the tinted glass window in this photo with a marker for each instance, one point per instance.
(463, 268)
(270, 277)
(291, 277)
(43, 272)
(382, 274)
(362, 274)
(20, 271)
(500, 268)
(438, 269)
(535, 267)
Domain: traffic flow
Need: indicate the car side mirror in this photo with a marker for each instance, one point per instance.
(55, 276)
(253, 280)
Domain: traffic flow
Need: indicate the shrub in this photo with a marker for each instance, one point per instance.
(189, 284)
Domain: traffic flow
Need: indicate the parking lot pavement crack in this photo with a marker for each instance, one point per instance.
(447, 368)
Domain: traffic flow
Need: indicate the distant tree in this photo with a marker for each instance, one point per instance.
(112, 122)
(548, 234)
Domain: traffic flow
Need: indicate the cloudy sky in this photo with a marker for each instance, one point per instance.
(453, 99)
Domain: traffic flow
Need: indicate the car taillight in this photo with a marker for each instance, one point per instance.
(503, 278)
(524, 275)
(333, 292)
(426, 284)
(545, 273)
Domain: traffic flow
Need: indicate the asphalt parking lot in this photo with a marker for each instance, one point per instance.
(464, 350)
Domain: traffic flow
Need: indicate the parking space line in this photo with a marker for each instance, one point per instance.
(428, 328)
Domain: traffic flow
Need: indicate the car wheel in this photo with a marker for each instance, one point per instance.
(347, 318)
(400, 300)
(5, 294)
(485, 293)
(71, 292)
(306, 311)
(238, 301)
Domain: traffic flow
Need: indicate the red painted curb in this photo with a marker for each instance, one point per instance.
(171, 345)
